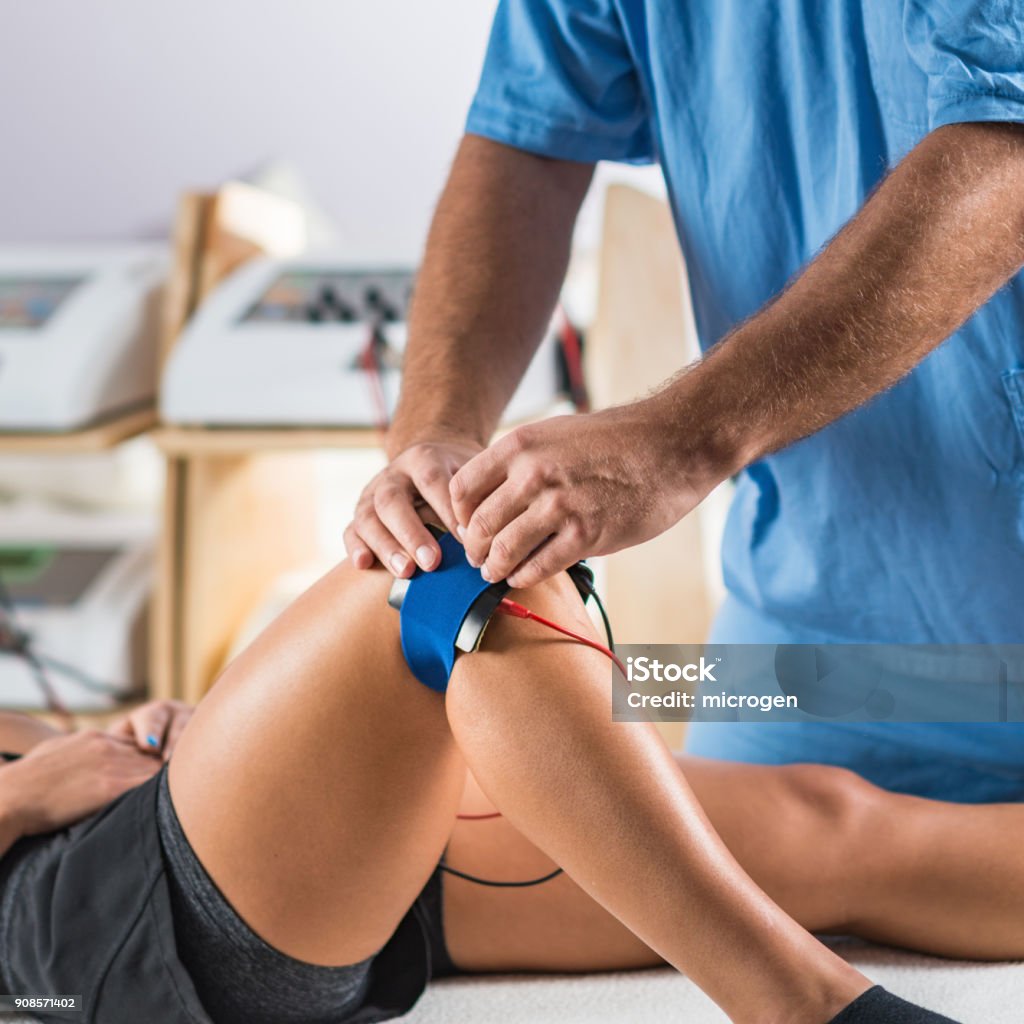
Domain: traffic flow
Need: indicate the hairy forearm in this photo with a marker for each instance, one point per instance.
(939, 237)
(494, 263)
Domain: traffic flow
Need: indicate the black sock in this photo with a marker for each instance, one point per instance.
(876, 1006)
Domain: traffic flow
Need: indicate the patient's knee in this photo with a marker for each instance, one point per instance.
(519, 663)
(841, 800)
(454, 609)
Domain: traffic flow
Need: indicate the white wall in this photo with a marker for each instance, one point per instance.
(112, 107)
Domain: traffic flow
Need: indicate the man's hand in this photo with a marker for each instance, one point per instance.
(494, 263)
(551, 493)
(388, 526)
(63, 779)
(941, 234)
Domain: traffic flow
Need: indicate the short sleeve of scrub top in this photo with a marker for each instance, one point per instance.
(559, 80)
(973, 55)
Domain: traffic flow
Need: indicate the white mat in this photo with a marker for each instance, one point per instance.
(968, 992)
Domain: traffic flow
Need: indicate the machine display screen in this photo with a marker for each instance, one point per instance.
(27, 303)
(333, 296)
(50, 576)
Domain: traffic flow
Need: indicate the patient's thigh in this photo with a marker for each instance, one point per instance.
(318, 780)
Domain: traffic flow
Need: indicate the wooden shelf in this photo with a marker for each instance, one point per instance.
(86, 719)
(205, 440)
(188, 441)
(97, 438)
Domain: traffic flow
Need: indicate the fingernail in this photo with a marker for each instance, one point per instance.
(472, 561)
(486, 573)
(424, 556)
(399, 563)
(153, 740)
(460, 531)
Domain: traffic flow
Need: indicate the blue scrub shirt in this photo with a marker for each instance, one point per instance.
(772, 121)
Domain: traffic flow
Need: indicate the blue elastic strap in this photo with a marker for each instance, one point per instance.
(433, 610)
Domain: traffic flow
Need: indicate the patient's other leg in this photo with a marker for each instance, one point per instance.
(607, 802)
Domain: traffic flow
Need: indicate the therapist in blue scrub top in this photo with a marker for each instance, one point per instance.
(847, 181)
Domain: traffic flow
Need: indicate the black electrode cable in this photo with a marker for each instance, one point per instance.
(592, 592)
(81, 677)
(604, 618)
(500, 885)
(17, 641)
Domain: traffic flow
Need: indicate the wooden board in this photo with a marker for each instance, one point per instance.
(642, 334)
(182, 290)
(258, 520)
(245, 222)
(95, 438)
(165, 617)
(232, 524)
(215, 234)
(234, 517)
(196, 441)
(88, 719)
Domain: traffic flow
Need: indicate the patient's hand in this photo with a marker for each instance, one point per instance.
(153, 727)
(64, 779)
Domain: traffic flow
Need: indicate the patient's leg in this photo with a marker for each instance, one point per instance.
(844, 856)
(318, 785)
(318, 781)
(608, 803)
(840, 855)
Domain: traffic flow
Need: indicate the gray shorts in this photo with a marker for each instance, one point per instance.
(119, 909)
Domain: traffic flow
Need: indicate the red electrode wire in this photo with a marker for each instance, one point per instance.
(371, 365)
(572, 349)
(509, 607)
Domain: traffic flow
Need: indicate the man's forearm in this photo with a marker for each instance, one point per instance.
(940, 236)
(494, 264)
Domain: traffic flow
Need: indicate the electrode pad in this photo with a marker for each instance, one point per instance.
(446, 611)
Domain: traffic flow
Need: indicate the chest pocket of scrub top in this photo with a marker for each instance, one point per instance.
(1013, 383)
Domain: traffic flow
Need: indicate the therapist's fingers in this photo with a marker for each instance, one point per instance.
(395, 506)
(367, 531)
(517, 542)
(551, 558)
(492, 515)
(481, 475)
(432, 483)
(359, 552)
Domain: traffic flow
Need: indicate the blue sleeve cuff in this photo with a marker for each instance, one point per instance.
(964, 107)
(536, 135)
